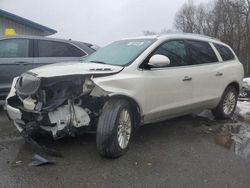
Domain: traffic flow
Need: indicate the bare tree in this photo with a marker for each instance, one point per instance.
(147, 33)
(228, 20)
(162, 32)
(185, 19)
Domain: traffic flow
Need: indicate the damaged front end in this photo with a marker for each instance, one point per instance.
(59, 105)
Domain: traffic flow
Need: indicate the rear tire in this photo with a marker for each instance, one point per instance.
(114, 128)
(227, 105)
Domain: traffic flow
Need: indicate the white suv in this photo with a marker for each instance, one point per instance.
(126, 84)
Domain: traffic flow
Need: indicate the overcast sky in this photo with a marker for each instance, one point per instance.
(98, 21)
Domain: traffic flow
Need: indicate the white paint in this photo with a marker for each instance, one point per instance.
(74, 68)
(160, 93)
(12, 89)
(14, 113)
(159, 61)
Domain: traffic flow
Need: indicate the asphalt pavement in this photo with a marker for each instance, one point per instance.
(183, 152)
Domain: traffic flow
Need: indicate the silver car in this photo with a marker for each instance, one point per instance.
(21, 53)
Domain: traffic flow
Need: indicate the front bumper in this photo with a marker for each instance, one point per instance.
(15, 115)
(27, 130)
(73, 111)
(58, 123)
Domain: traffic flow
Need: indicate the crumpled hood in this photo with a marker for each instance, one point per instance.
(75, 68)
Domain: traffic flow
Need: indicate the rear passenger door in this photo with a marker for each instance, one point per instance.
(15, 58)
(229, 66)
(205, 73)
(48, 52)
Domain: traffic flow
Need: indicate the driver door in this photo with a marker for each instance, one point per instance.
(169, 90)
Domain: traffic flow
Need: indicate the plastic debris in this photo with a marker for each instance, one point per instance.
(149, 164)
(39, 147)
(39, 161)
(17, 163)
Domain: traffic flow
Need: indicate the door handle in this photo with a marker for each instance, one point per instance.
(219, 74)
(22, 63)
(187, 78)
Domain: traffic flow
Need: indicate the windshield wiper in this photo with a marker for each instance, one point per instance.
(100, 62)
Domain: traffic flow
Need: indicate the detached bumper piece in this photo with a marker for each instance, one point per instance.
(40, 161)
(38, 147)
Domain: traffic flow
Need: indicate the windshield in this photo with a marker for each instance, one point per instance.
(120, 52)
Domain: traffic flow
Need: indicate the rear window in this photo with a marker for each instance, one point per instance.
(200, 52)
(225, 52)
(75, 52)
(58, 49)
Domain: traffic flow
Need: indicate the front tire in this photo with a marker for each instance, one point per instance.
(227, 105)
(114, 128)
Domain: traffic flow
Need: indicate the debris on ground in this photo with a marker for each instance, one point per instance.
(38, 147)
(40, 161)
(205, 115)
(149, 164)
(210, 129)
(17, 163)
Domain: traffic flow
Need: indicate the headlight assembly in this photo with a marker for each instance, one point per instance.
(88, 86)
(27, 84)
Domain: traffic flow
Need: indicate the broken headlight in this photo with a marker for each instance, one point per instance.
(88, 86)
(27, 85)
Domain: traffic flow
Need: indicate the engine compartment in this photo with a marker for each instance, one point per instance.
(59, 105)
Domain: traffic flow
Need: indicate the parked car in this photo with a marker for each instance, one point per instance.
(21, 53)
(126, 84)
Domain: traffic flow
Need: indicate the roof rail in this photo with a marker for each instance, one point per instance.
(184, 33)
(200, 35)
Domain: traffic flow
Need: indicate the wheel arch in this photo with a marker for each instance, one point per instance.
(218, 111)
(135, 107)
(234, 84)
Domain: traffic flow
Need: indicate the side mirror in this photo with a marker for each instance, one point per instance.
(159, 61)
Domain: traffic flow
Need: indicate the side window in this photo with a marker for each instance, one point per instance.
(225, 52)
(75, 52)
(200, 52)
(14, 48)
(53, 49)
(175, 51)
